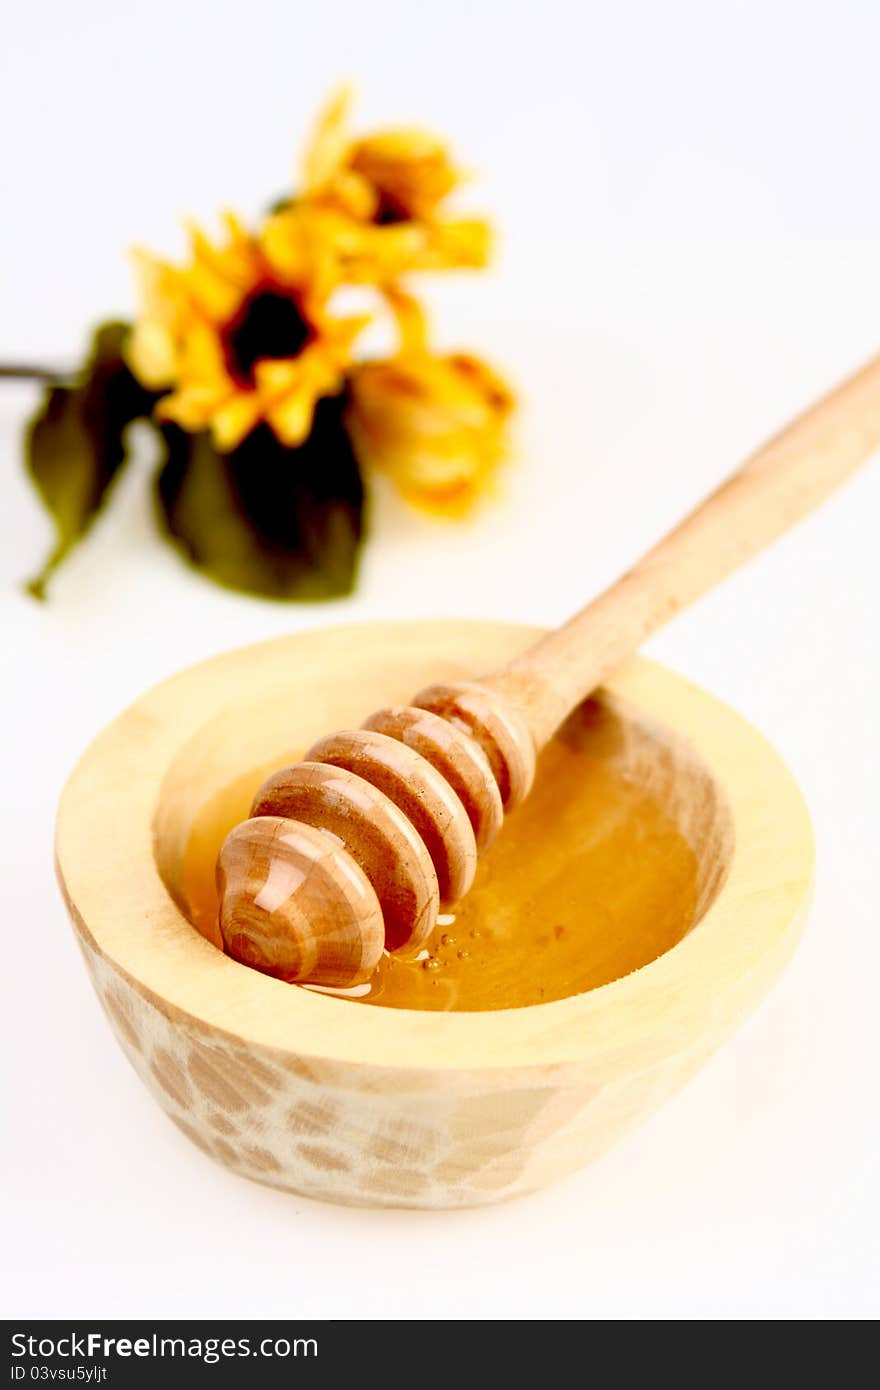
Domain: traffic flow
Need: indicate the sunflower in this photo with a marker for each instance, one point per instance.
(436, 424)
(392, 176)
(238, 339)
(380, 200)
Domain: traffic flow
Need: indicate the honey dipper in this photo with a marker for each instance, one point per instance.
(355, 849)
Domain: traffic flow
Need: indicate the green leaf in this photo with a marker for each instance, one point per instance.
(74, 444)
(281, 204)
(265, 519)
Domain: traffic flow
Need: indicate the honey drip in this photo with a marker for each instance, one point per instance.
(589, 880)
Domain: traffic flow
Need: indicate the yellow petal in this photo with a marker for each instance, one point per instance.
(329, 142)
(341, 333)
(191, 408)
(410, 317)
(214, 295)
(218, 278)
(274, 376)
(484, 380)
(354, 194)
(150, 353)
(239, 235)
(284, 244)
(233, 262)
(403, 145)
(410, 169)
(291, 418)
(463, 245)
(235, 419)
(201, 353)
(435, 424)
(157, 285)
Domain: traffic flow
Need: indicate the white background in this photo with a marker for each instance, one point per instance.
(690, 209)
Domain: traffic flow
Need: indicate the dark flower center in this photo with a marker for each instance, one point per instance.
(268, 324)
(389, 211)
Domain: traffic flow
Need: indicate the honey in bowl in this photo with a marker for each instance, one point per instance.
(590, 879)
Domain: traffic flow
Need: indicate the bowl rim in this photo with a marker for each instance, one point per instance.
(129, 917)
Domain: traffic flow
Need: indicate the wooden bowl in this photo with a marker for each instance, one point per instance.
(392, 1107)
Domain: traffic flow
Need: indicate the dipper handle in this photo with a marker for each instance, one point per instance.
(784, 481)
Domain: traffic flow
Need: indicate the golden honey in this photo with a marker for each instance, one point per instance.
(589, 880)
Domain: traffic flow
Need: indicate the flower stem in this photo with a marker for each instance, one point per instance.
(31, 371)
